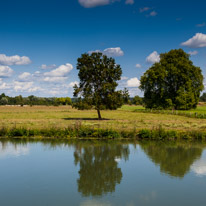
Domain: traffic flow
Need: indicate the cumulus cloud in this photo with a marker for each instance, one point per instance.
(22, 86)
(93, 3)
(154, 57)
(4, 86)
(61, 71)
(192, 53)
(25, 76)
(114, 52)
(5, 71)
(18, 86)
(111, 52)
(129, 2)
(14, 60)
(44, 66)
(197, 41)
(138, 65)
(133, 82)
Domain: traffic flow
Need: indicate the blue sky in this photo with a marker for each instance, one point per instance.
(40, 41)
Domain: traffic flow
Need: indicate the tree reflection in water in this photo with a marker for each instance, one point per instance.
(174, 159)
(99, 172)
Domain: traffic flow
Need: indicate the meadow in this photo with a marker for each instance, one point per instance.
(127, 118)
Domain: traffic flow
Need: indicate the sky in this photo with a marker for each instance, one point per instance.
(40, 40)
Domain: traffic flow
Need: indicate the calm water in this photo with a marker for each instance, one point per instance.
(85, 173)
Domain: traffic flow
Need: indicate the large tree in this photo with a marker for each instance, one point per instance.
(174, 82)
(98, 76)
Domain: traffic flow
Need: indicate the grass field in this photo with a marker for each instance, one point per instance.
(126, 118)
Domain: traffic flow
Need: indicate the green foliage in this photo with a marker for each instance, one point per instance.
(137, 100)
(203, 97)
(174, 82)
(63, 101)
(98, 76)
(4, 101)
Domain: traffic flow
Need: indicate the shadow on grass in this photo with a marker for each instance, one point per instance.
(96, 119)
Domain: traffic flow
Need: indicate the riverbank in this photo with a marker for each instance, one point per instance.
(65, 122)
(94, 133)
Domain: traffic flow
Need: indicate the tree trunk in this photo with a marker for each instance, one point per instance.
(99, 115)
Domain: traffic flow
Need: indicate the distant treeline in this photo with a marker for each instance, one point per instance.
(51, 101)
(33, 100)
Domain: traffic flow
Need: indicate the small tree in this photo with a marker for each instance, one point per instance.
(174, 82)
(4, 101)
(98, 76)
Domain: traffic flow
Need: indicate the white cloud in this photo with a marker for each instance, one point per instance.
(5, 71)
(197, 41)
(154, 57)
(4, 86)
(201, 25)
(55, 79)
(35, 89)
(138, 65)
(192, 53)
(57, 92)
(44, 66)
(22, 86)
(141, 10)
(114, 52)
(25, 87)
(71, 85)
(61, 71)
(111, 52)
(133, 82)
(14, 60)
(153, 13)
(93, 3)
(25, 76)
(129, 2)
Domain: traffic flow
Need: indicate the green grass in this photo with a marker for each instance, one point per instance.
(82, 132)
(128, 120)
(199, 112)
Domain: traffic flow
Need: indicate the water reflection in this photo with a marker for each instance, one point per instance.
(173, 159)
(12, 150)
(199, 166)
(99, 172)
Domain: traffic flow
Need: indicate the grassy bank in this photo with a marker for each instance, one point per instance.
(94, 133)
(65, 122)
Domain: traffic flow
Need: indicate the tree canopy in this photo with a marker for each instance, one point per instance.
(98, 76)
(174, 82)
